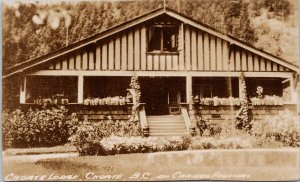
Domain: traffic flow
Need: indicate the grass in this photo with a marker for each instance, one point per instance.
(140, 166)
(41, 150)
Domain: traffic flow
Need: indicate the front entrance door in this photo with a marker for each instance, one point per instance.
(155, 95)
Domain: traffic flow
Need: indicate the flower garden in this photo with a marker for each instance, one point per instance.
(50, 126)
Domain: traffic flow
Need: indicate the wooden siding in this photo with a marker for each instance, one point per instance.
(197, 51)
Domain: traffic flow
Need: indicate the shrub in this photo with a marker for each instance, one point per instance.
(85, 138)
(223, 128)
(284, 128)
(123, 145)
(199, 143)
(136, 144)
(35, 128)
(87, 134)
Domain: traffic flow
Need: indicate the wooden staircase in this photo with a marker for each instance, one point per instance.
(166, 125)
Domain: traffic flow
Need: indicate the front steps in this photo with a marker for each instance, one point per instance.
(166, 125)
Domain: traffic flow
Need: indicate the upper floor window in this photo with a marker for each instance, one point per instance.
(163, 39)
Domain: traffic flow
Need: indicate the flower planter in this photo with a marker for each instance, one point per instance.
(109, 101)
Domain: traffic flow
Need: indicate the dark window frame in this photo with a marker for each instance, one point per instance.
(162, 46)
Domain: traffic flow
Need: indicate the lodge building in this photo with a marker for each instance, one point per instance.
(173, 56)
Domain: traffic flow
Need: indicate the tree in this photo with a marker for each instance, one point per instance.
(237, 21)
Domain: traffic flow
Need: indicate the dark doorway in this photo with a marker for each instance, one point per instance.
(155, 95)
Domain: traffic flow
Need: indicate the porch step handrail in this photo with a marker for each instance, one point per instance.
(143, 120)
(187, 121)
(186, 118)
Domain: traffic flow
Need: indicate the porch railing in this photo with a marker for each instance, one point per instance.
(143, 120)
(187, 121)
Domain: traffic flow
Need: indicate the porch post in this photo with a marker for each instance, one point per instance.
(293, 92)
(240, 88)
(188, 88)
(23, 90)
(80, 89)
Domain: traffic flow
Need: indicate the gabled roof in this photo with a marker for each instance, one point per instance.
(18, 68)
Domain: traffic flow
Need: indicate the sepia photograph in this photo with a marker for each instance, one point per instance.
(150, 90)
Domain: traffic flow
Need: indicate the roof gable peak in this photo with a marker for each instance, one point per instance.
(136, 21)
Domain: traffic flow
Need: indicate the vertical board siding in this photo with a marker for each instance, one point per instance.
(275, 67)
(169, 62)
(200, 51)
(71, 63)
(84, 61)
(206, 52)
(137, 49)
(78, 62)
(91, 60)
(212, 53)
(194, 49)
(238, 60)
(130, 50)
(197, 51)
(262, 64)
(111, 55)
(162, 62)
(225, 55)
(256, 63)
(269, 65)
(187, 59)
(149, 62)
(65, 64)
(175, 62)
(244, 61)
(250, 61)
(98, 58)
(219, 55)
(104, 57)
(232, 60)
(143, 48)
(51, 67)
(118, 54)
(156, 62)
(181, 47)
(124, 52)
(57, 65)
(281, 68)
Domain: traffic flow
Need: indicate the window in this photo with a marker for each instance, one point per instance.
(51, 87)
(163, 39)
(174, 97)
(205, 91)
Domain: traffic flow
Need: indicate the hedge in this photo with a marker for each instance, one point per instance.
(36, 128)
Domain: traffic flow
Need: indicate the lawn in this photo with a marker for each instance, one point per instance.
(41, 150)
(189, 165)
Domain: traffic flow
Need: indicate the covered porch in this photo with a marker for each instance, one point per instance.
(162, 92)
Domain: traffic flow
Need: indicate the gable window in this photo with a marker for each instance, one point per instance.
(163, 39)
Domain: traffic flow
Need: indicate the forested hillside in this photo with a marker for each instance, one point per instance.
(33, 29)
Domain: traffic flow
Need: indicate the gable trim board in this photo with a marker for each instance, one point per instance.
(19, 68)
